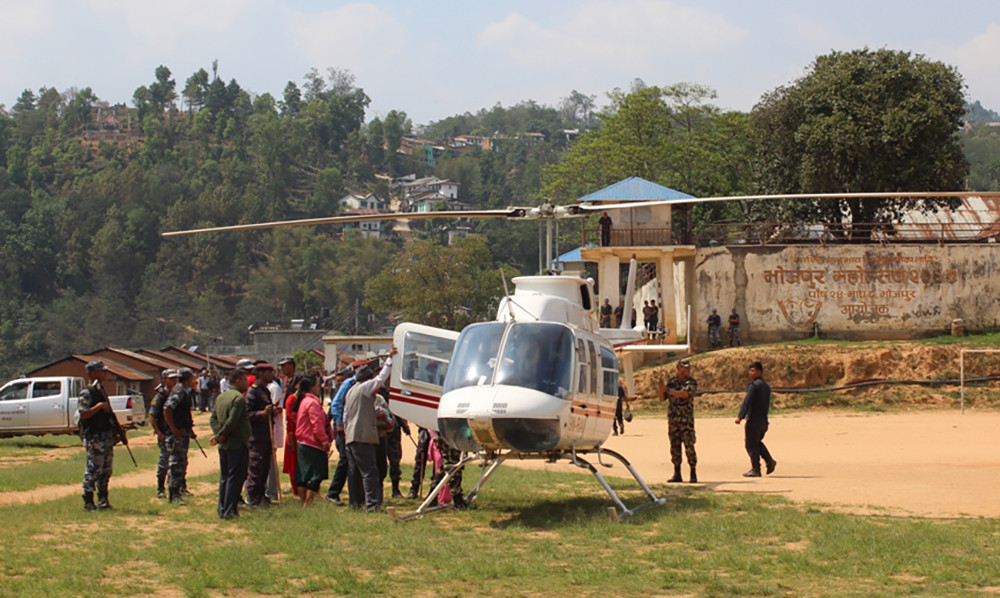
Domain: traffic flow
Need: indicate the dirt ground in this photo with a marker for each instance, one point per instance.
(932, 463)
(923, 464)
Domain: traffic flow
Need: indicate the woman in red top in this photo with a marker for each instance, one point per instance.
(314, 437)
(291, 447)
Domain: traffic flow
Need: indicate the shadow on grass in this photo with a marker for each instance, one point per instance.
(574, 510)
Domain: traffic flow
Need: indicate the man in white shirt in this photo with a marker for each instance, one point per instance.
(361, 437)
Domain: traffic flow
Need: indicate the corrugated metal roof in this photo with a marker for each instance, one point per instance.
(633, 189)
(977, 218)
(118, 369)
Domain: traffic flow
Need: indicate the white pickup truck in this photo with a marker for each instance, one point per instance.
(48, 405)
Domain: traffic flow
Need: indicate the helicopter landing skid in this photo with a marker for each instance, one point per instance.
(428, 505)
(625, 511)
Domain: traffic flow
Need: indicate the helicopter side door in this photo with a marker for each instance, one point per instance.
(423, 356)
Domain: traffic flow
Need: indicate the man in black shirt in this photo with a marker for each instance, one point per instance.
(714, 323)
(259, 409)
(734, 329)
(605, 223)
(606, 310)
(754, 410)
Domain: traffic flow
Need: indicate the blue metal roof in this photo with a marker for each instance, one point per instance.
(570, 256)
(633, 189)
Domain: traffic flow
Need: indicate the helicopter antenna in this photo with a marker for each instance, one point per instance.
(506, 293)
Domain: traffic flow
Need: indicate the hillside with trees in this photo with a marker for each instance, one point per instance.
(86, 188)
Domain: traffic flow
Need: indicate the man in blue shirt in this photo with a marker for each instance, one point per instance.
(344, 379)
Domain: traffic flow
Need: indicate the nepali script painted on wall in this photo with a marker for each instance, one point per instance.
(860, 288)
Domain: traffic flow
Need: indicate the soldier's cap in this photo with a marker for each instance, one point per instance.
(244, 364)
(93, 366)
(185, 374)
(684, 363)
(345, 372)
(287, 359)
(168, 373)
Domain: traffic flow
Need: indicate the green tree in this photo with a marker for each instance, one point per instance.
(447, 287)
(672, 136)
(863, 120)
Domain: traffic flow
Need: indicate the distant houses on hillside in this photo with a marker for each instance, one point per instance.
(425, 194)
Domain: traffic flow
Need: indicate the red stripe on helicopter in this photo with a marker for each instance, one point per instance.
(414, 398)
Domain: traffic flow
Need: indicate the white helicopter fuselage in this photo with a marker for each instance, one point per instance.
(538, 378)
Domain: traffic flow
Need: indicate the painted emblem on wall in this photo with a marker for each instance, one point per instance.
(800, 313)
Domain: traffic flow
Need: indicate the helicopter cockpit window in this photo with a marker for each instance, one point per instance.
(425, 358)
(539, 356)
(476, 353)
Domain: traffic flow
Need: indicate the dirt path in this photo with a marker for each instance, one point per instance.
(926, 464)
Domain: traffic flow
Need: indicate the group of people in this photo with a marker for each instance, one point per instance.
(714, 322)
(618, 313)
(209, 387)
(261, 409)
(680, 391)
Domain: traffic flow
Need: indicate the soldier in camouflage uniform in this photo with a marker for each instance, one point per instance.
(100, 430)
(160, 428)
(177, 412)
(449, 457)
(681, 390)
(419, 462)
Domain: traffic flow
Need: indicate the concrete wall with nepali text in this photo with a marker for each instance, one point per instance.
(849, 291)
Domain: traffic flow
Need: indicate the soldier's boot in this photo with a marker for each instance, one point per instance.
(175, 496)
(88, 502)
(677, 474)
(413, 493)
(395, 490)
(458, 501)
(694, 476)
(770, 466)
(102, 502)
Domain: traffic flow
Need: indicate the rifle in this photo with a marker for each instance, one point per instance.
(121, 431)
(195, 438)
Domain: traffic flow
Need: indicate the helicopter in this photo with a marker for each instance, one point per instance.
(540, 381)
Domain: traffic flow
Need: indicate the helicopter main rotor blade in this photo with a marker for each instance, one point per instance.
(470, 214)
(591, 208)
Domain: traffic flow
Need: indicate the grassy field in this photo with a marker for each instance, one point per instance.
(54, 460)
(534, 534)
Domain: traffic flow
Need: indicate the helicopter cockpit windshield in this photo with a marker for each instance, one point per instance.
(535, 355)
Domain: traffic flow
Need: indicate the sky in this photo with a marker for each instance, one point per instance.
(437, 59)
